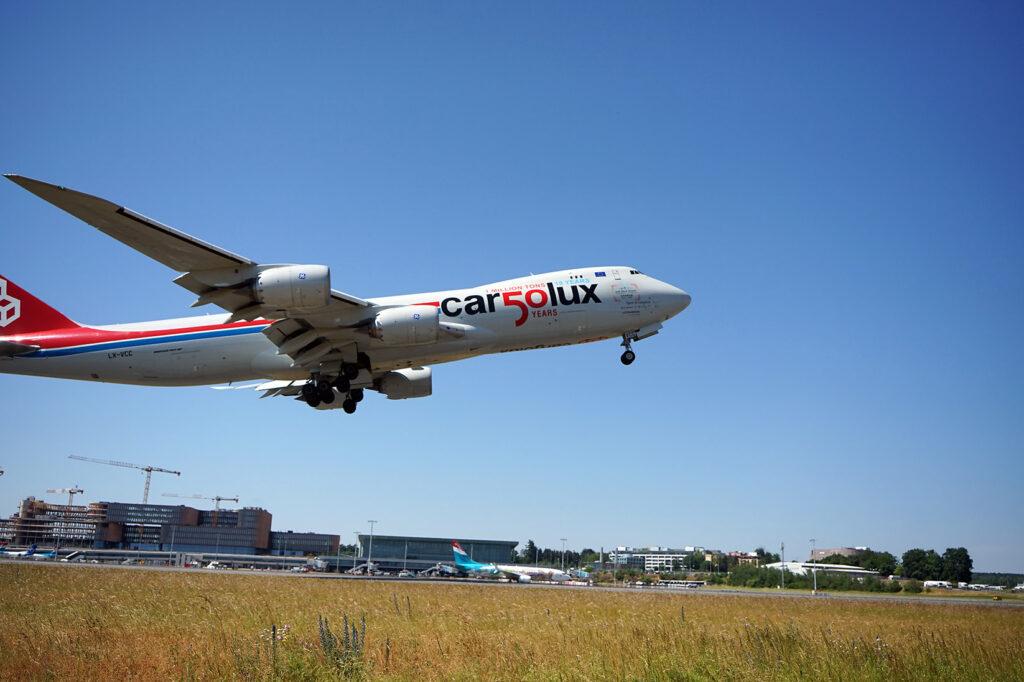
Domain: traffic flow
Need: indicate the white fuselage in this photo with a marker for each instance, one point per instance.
(536, 572)
(539, 311)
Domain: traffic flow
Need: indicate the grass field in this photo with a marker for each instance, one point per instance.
(97, 623)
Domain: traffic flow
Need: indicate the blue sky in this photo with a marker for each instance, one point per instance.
(838, 186)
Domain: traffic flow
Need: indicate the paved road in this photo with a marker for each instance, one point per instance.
(696, 593)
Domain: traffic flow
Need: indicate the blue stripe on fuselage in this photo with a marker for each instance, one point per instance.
(146, 341)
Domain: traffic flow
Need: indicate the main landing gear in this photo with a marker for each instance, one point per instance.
(628, 356)
(354, 397)
(319, 392)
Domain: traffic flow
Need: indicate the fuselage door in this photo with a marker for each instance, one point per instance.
(617, 274)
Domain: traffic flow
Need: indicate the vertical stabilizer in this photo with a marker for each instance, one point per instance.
(461, 558)
(21, 313)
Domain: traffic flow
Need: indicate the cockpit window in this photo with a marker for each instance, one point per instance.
(635, 272)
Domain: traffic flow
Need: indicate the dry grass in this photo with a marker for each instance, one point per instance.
(97, 623)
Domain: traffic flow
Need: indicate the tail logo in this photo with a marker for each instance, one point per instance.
(10, 307)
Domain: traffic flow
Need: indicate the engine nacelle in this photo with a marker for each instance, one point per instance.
(406, 383)
(410, 325)
(525, 578)
(291, 287)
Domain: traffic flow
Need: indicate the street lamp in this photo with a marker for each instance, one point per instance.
(814, 572)
(369, 556)
(563, 554)
(783, 573)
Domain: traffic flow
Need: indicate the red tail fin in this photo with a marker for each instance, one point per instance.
(22, 313)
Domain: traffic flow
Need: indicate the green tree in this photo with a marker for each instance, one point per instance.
(528, 553)
(919, 564)
(765, 557)
(957, 565)
(883, 562)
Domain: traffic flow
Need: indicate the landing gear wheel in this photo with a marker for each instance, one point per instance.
(357, 395)
(363, 360)
(342, 384)
(628, 357)
(349, 406)
(310, 394)
(350, 371)
(326, 392)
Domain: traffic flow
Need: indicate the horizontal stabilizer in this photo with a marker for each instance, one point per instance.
(9, 349)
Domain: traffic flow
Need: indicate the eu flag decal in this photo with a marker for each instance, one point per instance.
(599, 273)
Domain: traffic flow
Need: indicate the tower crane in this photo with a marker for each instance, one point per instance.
(70, 492)
(60, 529)
(217, 499)
(149, 469)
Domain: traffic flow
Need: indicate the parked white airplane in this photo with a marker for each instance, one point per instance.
(523, 574)
(285, 324)
(30, 553)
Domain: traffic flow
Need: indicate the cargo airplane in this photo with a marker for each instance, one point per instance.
(287, 328)
(523, 574)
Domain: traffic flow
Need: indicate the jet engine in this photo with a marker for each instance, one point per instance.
(525, 578)
(406, 383)
(302, 287)
(410, 325)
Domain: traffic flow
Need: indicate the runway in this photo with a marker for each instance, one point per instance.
(494, 584)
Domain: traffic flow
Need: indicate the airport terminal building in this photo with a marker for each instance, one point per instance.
(143, 527)
(395, 552)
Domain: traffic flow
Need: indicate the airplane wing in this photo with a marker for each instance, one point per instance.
(511, 574)
(174, 249)
(310, 337)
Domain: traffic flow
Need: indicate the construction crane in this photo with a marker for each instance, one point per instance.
(149, 469)
(60, 529)
(217, 499)
(70, 492)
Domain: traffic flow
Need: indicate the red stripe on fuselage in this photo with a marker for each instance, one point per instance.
(80, 336)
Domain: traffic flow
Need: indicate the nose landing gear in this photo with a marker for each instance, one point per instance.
(628, 356)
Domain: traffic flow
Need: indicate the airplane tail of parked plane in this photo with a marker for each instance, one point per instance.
(22, 313)
(462, 559)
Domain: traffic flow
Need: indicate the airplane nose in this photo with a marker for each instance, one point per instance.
(682, 299)
(674, 300)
